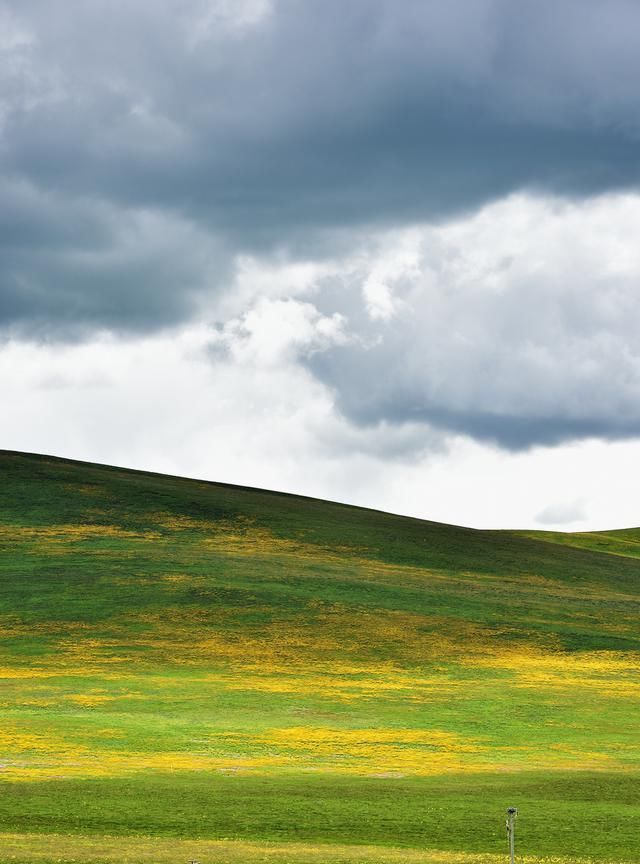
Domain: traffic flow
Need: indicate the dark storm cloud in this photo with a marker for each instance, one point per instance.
(264, 126)
(70, 265)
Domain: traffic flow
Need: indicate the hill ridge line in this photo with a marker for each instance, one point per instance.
(240, 487)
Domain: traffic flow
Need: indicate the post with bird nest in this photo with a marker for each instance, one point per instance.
(512, 812)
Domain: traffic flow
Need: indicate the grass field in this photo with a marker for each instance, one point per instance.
(196, 670)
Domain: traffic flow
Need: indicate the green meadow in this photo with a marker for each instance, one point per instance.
(194, 670)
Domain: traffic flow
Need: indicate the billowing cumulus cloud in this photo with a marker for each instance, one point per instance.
(518, 325)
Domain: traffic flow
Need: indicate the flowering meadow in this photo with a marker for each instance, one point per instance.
(192, 669)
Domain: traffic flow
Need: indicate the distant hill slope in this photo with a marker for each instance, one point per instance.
(171, 637)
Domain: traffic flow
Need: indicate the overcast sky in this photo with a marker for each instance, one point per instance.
(378, 252)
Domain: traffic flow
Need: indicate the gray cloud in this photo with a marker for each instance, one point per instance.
(270, 126)
(72, 265)
(562, 514)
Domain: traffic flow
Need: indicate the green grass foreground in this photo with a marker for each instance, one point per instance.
(594, 817)
(189, 663)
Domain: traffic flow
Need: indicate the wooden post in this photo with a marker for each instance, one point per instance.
(512, 812)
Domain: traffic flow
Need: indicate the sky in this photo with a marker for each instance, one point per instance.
(378, 252)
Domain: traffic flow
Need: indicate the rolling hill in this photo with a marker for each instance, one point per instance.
(185, 663)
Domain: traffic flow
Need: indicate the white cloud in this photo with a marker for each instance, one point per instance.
(273, 332)
(519, 323)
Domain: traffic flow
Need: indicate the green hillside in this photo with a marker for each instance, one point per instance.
(183, 663)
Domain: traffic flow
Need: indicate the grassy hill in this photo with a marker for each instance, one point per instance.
(185, 662)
